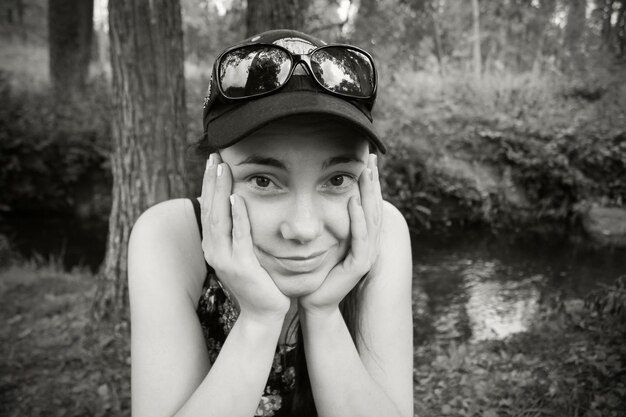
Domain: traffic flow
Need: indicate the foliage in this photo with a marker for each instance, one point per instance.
(46, 151)
(570, 364)
(556, 143)
(56, 360)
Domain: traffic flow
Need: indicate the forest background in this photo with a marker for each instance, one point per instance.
(503, 114)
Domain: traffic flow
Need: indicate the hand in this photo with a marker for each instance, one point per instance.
(227, 246)
(365, 229)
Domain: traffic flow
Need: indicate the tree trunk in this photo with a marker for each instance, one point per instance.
(607, 29)
(620, 26)
(476, 49)
(574, 28)
(149, 118)
(434, 15)
(70, 28)
(264, 15)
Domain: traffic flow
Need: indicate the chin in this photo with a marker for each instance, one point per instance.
(299, 285)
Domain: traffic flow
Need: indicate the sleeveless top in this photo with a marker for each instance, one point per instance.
(217, 314)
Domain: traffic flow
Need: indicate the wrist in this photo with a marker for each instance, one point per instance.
(266, 320)
(309, 312)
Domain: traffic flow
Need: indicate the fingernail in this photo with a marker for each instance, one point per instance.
(375, 159)
(232, 199)
(220, 169)
(211, 161)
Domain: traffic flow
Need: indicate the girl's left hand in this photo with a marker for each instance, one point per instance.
(365, 230)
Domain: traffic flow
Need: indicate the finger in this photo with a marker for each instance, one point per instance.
(208, 185)
(242, 237)
(369, 198)
(220, 215)
(372, 205)
(376, 177)
(359, 248)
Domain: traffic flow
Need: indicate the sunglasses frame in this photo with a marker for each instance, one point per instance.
(296, 59)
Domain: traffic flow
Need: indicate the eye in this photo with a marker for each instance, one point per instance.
(337, 180)
(340, 182)
(262, 182)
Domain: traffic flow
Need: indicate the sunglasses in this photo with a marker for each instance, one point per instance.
(255, 70)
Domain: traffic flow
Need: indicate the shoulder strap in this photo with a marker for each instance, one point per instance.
(196, 209)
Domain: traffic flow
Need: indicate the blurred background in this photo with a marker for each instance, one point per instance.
(507, 129)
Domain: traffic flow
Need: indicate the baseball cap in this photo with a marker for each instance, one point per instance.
(227, 122)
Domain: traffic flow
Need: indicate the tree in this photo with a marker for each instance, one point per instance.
(148, 127)
(70, 31)
(476, 44)
(573, 36)
(264, 15)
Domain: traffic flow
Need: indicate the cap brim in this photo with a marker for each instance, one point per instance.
(243, 119)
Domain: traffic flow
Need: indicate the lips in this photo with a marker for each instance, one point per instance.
(299, 264)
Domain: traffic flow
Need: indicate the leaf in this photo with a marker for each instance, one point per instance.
(490, 413)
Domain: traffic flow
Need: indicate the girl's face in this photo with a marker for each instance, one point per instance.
(296, 180)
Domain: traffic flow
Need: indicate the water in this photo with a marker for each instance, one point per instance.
(476, 286)
(76, 242)
(469, 286)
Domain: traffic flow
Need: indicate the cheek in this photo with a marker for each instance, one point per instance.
(264, 220)
(337, 218)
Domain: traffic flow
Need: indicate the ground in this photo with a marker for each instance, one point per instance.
(56, 361)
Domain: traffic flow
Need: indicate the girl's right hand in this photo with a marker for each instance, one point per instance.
(227, 246)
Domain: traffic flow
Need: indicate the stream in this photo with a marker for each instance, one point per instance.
(471, 285)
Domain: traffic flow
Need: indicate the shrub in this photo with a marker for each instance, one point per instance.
(46, 151)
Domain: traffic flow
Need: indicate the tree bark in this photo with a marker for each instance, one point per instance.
(149, 119)
(264, 15)
(70, 31)
(434, 15)
(621, 30)
(574, 28)
(606, 32)
(476, 44)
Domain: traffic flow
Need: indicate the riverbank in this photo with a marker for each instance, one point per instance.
(508, 152)
(56, 361)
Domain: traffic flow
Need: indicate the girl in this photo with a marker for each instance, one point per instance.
(285, 289)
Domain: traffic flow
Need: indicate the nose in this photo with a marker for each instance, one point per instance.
(303, 222)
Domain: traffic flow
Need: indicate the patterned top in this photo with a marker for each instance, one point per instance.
(218, 314)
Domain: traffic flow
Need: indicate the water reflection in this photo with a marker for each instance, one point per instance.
(497, 308)
(478, 300)
(485, 289)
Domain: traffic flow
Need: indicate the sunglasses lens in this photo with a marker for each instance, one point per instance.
(253, 70)
(344, 71)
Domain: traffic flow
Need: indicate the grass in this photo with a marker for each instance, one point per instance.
(57, 362)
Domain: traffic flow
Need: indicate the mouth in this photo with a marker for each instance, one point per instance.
(299, 264)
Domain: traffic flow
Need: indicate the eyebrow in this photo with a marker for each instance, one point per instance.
(263, 160)
(276, 163)
(341, 159)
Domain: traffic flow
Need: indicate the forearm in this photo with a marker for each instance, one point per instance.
(340, 382)
(234, 384)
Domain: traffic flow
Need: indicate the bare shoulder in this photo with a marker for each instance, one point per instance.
(165, 245)
(394, 222)
(393, 268)
(395, 240)
(171, 216)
